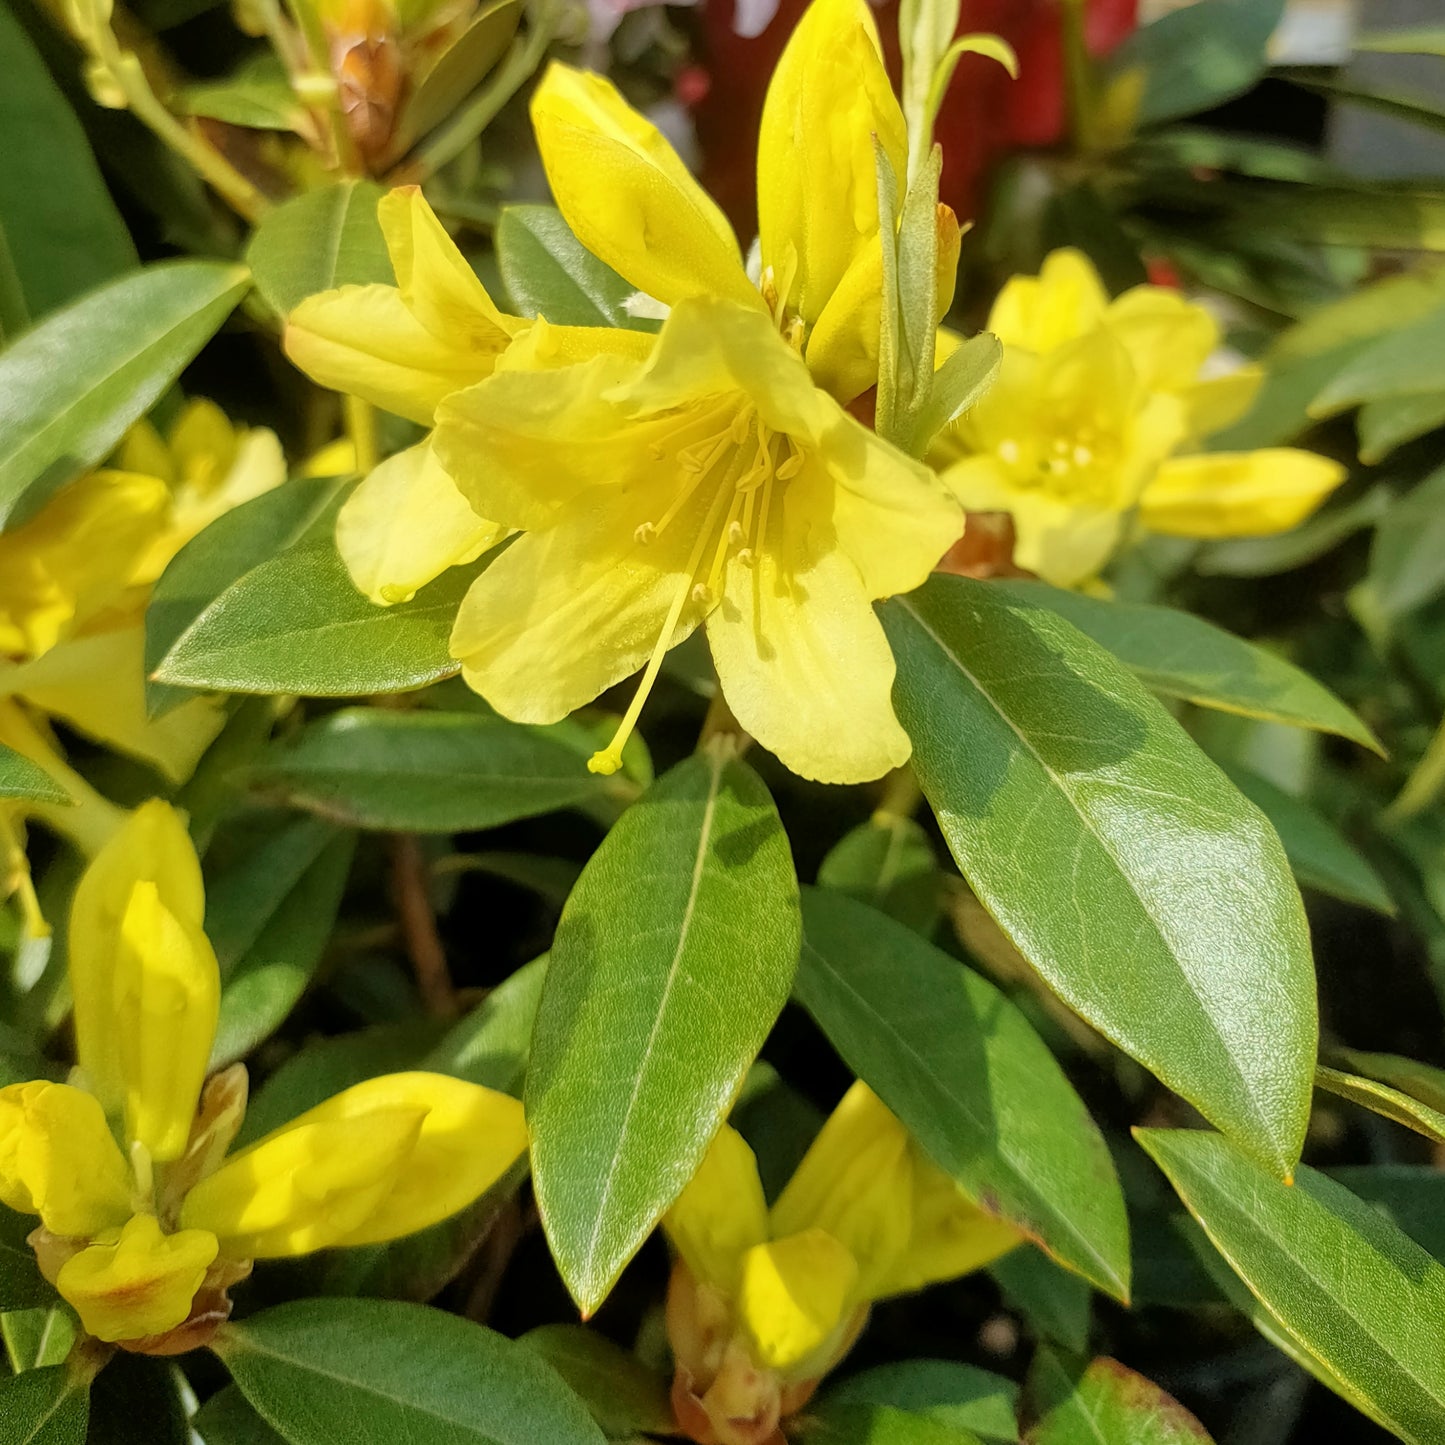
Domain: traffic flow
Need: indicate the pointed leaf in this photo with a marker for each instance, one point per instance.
(226, 1419)
(1152, 897)
(625, 1396)
(672, 959)
(20, 778)
(943, 1390)
(1103, 1404)
(888, 862)
(1383, 1100)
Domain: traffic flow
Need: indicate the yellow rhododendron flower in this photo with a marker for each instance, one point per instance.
(1093, 400)
(144, 1237)
(764, 1302)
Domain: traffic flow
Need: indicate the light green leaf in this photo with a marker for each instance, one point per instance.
(1391, 421)
(624, 1396)
(295, 624)
(257, 95)
(888, 862)
(1103, 1404)
(43, 1407)
(38, 1337)
(70, 387)
(850, 1423)
(548, 272)
(1407, 560)
(226, 1419)
(1335, 1276)
(375, 1372)
(1421, 1081)
(323, 238)
(962, 379)
(1321, 856)
(1422, 40)
(425, 772)
(943, 1390)
(964, 1070)
(20, 778)
(1375, 215)
(673, 957)
(1406, 361)
(58, 222)
(1179, 655)
(490, 1046)
(1381, 1099)
(1118, 859)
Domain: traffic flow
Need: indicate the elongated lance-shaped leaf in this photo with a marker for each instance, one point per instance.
(673, 957)
(1077, 1405)
(1149, 893)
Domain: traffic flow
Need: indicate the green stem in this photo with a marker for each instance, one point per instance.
(1078, 77)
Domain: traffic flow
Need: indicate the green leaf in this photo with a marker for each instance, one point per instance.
(295, 624)
(1179, 655)
(1421, 1081)
(269, 916)
(22, 1286)
(1196, 57)
(135, 1400)
(1389, 422)
(20, 778)
(1056, 1305)
(850, 1423)
(673, 957)
(943, 1390)
(1421, 40)
(1356, 215)
(1332, 1272)
(1407, 560)
(1406, 361)
(425, 772)
(35, 1338)
(964, 1070)
(257, 95)
(624, 1396)
(887, 862)
(226, 1419)
(1319, 853)
(1411, 1196)
(324, 238)
(1397, 104)
(959, 382)
(490, 1046)
(221, 555)
(1103, 1404)
(1381, 1099)
(70, 387)
(548, 272)
(58, 222)
(1118, 859)
(375, 1372)
(43, 1407)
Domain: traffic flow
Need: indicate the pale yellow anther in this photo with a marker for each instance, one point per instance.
(702, 594)
(735, 534)
(644, 533)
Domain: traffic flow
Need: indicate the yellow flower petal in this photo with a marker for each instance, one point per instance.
(842, 348)
(151, 848)
(405, 524)
(1238, 494)
(470, 1137)
(795, 1296)
(58, 1159)
(1219, 401)
(721, 1214)
(143, 450)
(1168, 338)
(817, 173)
(1063, 302)
(306, 1185)
(628, 196)
(142, 1283)
(855, 1182)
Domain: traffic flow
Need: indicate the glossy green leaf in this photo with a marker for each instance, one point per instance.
(220, 556)
(624, 1396)
(1119, 860)
(20, 778)
(490, 1046)
(1056, 1306)
(1321, 856)
(1198, 56)
(226, 1419)
(943, 1390)
(1333, 1273)
(1381, 1099)
(1179, 655)
(1411, 1196)
(1421, 1081)
(21, 1285)
(322, 238)
(43, 1407)
(548, 272)
(58, 223)
(375, 1372)
(965, 1071)
(673, 957)
(425, 772)
(295, 624)
(888, 862)
(1103, 1403)
(70, 387)
(1407, 561)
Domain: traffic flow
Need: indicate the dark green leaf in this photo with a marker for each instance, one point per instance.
(57, 220)
(1407, 561)
(20, 778)
(942, 1390)
(491, 1044)
(1179, 655)
(324, 238)
(375, 1372)
(624, 1396)
(135, 1400)
(43, 1407)
(1412, 1196)
(673, 957)
(1103, 1404)
(856, 1423)
(1334, 1275)
(1056, 1305)
(226, 1419)
(963, 1069)
(1119, 860)
(887, 862)
(425, 772)
(21, 1285)
(548, 272)
(70, 387)
(1397, 104)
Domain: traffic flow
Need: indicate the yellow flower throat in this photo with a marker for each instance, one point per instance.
(1076, 465)
(726, 446)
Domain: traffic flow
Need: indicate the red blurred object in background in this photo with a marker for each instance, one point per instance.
(985, 115)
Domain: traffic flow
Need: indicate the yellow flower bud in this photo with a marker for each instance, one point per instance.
(139, 1283)
(796, 1299)
(58, 1159)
